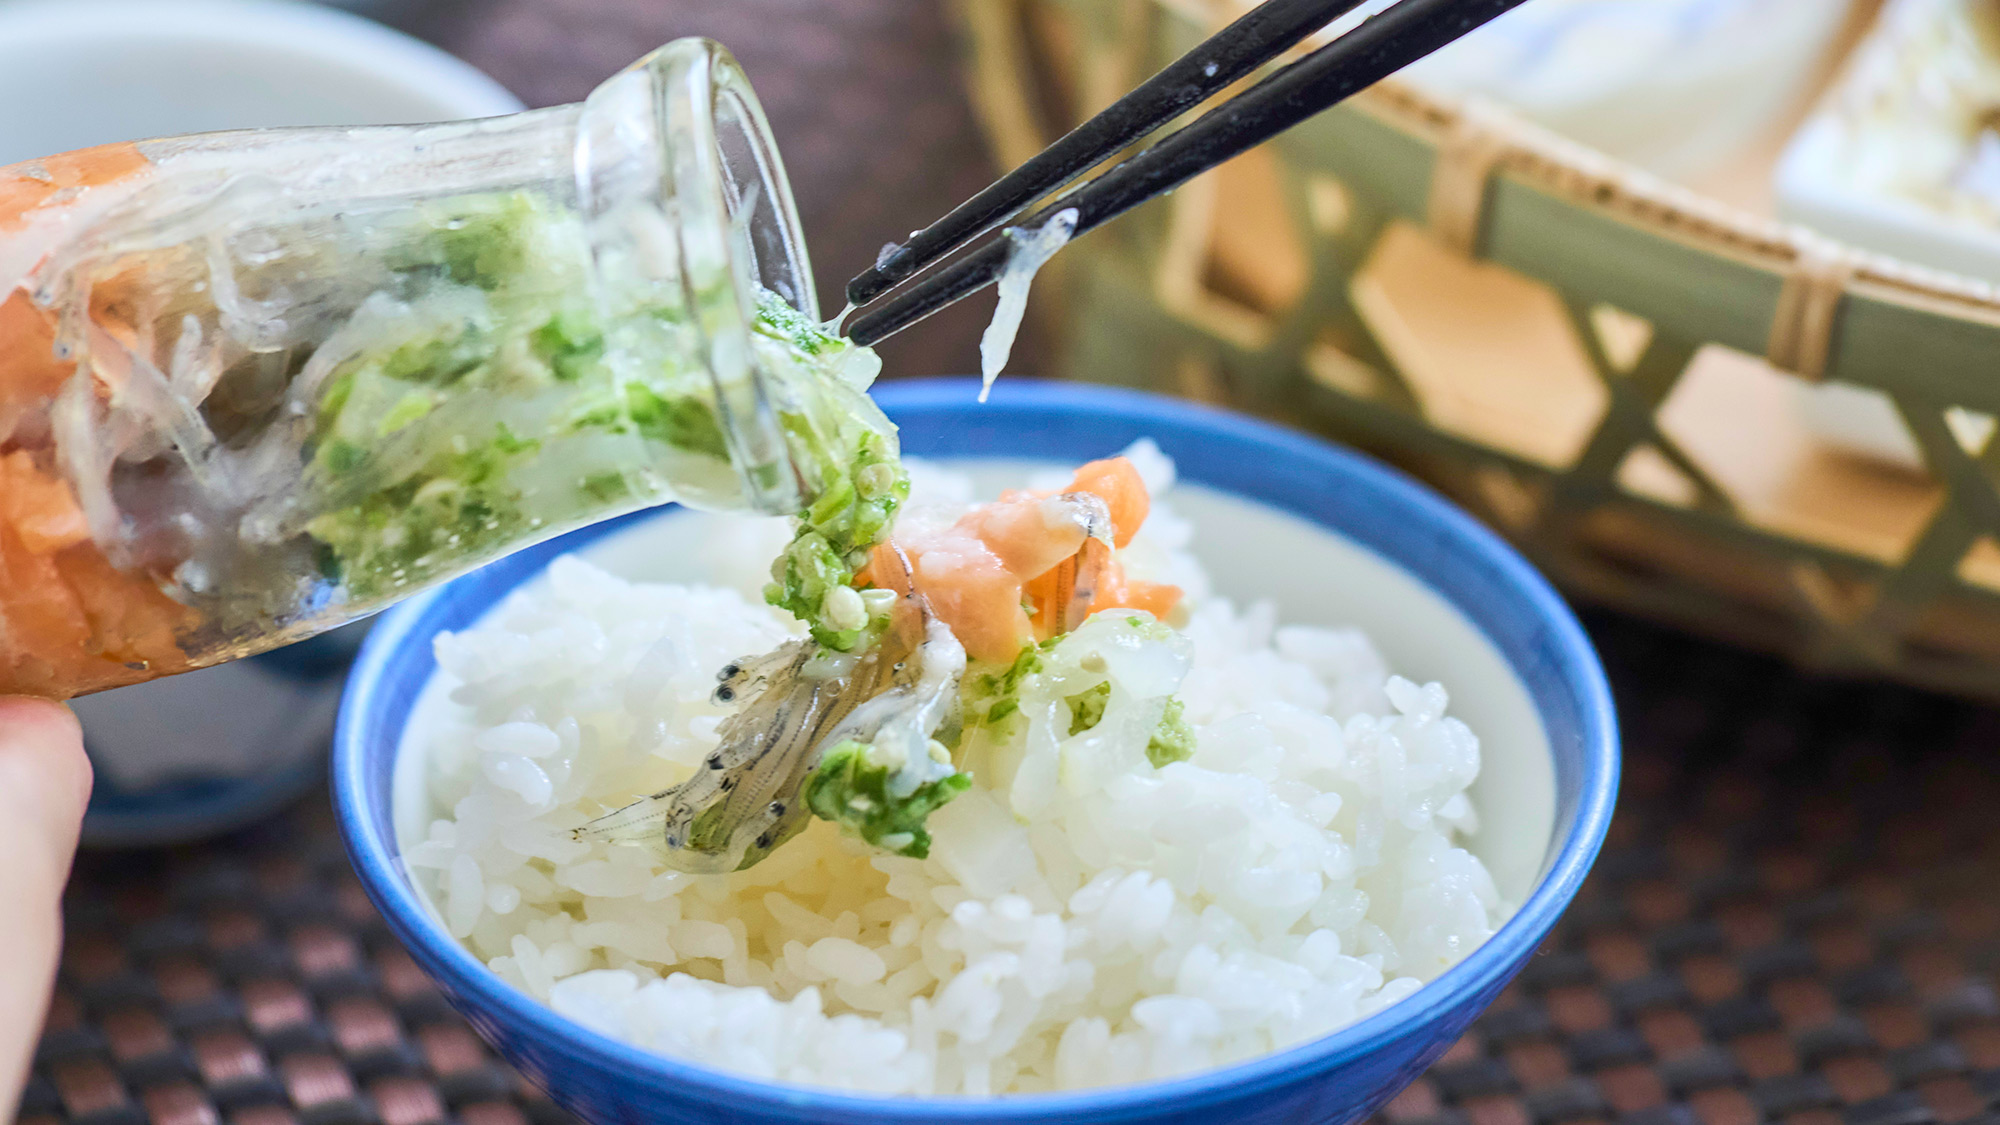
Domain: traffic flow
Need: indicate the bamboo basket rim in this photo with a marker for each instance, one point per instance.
(1586, 177)
(1576, 173)
(1710, 285)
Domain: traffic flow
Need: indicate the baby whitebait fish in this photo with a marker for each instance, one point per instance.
(745, 798)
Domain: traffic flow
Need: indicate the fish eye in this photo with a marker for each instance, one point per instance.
(715, 760)
(777, 808)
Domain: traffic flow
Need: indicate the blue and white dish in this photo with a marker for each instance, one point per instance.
(1327, 534)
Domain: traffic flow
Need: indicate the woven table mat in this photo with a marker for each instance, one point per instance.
(1797, 919)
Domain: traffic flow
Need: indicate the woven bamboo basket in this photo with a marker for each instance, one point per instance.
(1604, 366)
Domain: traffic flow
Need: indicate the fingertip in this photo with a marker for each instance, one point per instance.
(33, 712)
(45, 737)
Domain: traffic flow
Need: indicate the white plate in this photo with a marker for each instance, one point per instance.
(1813, 192)
(1675, 86)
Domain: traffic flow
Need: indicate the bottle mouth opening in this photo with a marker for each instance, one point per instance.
(741, 192)
(682, 131)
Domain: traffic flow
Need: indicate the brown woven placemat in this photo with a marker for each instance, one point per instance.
(249, 980)
(1797, 919)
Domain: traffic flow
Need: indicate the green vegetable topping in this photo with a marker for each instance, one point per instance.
(606, 486)
(1008, 682)
(1174, 740)
(992, 698)
(341, 455)
(439, 360)
(495, 314)
(852, 790)
(408, 409)
(807, 571)
(569, 343)
(606, 412)
(1086, 708)
(402, 535)
(781, 321)
(333, 402)
(851, 513)
(683, 423)
(483, 241)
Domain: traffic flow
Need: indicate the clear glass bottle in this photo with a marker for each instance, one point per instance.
(254, 385)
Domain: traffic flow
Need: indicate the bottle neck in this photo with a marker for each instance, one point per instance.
(681, 186)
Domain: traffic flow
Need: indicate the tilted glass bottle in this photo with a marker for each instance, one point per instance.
(254, 385)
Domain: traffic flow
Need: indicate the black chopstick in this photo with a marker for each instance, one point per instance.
(1257, 37)
(1379, 47)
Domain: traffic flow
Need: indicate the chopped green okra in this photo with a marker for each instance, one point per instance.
(852, 789)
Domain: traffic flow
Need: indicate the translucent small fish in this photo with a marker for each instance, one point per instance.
(744, 799)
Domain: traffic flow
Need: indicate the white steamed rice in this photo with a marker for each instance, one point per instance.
(1301, 871)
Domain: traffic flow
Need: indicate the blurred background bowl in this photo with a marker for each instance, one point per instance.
(209, 751)
(116, 70)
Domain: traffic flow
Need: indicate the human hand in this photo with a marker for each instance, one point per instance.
(44, 786)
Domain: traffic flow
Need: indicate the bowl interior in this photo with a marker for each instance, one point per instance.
(1252, 551)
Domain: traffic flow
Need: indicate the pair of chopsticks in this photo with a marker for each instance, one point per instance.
(1377, 48)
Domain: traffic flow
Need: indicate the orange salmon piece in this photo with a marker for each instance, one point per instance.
(977, 597)
(1040, 591)
(41, 623)
(1116, 592)
(131, 621)
(41, 508)
(1017, 529)
(32, 183)
(70, 622)
(998, 555)
(30, 373)
(29, 369)
(1118, 483)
